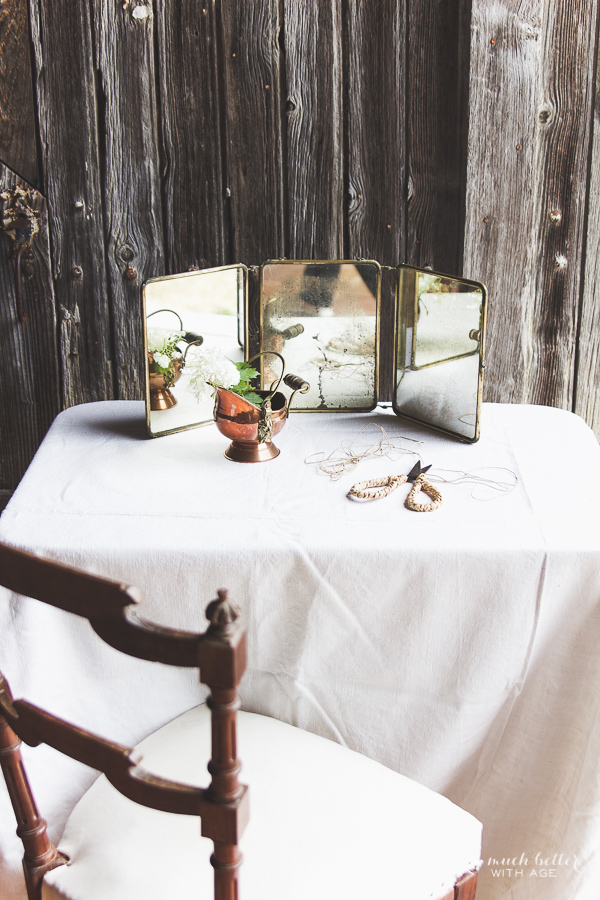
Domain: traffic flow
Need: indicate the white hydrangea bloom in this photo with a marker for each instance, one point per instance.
(211, 369)
(162, 359)
(163, 340)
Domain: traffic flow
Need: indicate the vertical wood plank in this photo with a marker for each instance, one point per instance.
(66, 89)
(438, 38)
(375, 48)
(528, 150)
(314, 135)
(29, 399)
(252, 109)
(124, 44)
(189, 108)
(18, 148)
(375, 64)
(587, 375)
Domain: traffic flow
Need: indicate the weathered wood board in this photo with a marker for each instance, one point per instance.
(133, 226)
(72, 153)
(313, 130)
(587, 354)
(252, 101)
(196, 211)
(18, 148)
(375, 72)
(29, 398)
(437, 85)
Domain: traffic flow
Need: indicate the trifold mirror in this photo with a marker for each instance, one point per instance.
(323, 318)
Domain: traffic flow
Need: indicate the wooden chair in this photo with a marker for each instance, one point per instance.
(329, 822)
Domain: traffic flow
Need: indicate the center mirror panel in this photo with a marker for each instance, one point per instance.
(186, 317)
(323, 318)
(440, 330)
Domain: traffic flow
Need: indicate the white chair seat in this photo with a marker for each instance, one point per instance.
(324, 822)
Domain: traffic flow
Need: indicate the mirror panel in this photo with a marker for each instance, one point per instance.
(439, 350)
(323, 318)
(176, 311)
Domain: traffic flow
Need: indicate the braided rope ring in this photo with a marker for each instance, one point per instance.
(421, 484)
(366, 490)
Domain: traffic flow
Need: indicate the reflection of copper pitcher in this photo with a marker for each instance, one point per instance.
(250, 427)
(160, 395)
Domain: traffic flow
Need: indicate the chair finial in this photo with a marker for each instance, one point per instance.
(222, 612)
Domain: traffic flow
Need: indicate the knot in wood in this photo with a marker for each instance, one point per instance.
(222, 612)
(19, 221)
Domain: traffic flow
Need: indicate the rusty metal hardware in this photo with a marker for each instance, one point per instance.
(20, 223)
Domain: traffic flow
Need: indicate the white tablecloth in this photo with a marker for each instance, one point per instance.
(459, 647)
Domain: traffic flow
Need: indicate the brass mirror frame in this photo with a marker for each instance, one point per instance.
(243, 307)
(325, 262)
(398, 324)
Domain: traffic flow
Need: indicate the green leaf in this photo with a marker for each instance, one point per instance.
(253, 397)
(246, 372)
(248, 394)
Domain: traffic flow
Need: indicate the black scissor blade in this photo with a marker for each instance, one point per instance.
(416, 471)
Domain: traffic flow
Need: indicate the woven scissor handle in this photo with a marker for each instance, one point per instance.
(377, 487)
(421, 484)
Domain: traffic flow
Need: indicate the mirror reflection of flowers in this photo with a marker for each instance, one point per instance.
(211, 369)
(164, 356)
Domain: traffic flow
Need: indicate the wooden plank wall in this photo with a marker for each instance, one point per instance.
(460, 135)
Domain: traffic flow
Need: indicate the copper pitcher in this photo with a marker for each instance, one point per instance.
(160, 391)
(251, 428)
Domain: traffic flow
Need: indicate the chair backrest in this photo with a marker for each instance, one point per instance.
(220, 655)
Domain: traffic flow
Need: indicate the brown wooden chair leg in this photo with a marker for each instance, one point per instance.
(224, 767)
(465, 887)
(226, 861)
(40, 853)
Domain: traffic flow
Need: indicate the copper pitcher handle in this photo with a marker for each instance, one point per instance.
(274, 387)
(298, 385)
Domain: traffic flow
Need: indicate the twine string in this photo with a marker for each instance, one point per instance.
(497, 485)
(352, 451)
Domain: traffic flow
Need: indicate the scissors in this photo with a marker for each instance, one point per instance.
(381, 487)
